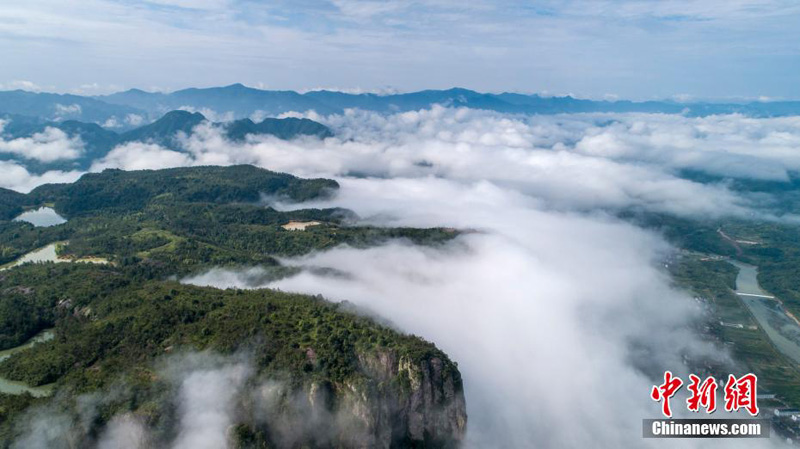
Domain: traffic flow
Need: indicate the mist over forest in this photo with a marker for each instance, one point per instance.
(551, 286)
(233, 224)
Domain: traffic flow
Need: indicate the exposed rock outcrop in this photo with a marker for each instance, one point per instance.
(395, 402)
(409, 402)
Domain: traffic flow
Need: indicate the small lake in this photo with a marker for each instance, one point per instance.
(770, 314)
(14, 387)
(42, 217)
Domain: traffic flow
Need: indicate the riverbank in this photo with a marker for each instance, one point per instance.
(779, 324)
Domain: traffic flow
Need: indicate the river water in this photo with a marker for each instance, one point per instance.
(45, 254)
(14, 387)
(49, 254)
(770, 314)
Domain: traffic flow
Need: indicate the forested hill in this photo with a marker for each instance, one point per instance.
(188, 216)
(120, 190)
(165, 130)
(117, 322)
(11, 203)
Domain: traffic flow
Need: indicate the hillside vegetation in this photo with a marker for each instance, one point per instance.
(114, 322)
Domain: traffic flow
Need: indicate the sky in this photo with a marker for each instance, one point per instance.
(635, 49)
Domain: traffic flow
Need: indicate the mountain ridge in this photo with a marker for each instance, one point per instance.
(240, 101)
(98, 141)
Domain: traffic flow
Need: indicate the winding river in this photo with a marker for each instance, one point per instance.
(780, 327)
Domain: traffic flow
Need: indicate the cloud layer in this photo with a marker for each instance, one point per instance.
(17, 177)
(583, 161)
(555, 318)
(558, 314)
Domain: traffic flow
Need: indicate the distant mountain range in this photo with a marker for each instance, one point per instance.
(103, 122)
(126, 110)
(98, 141)
(242, 101)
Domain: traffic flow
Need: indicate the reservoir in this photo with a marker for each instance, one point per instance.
(14, 387)
(42, 217)
(49, 254)
(782, 329)
(45, 254)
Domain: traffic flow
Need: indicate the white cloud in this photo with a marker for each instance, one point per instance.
(111, 122)
(45, 429)
(582, 161)
(539, 308)
(68, 110)
(17, 177)
(30, 86)
(134, 120)
(207, 399)
(222, 278)
(542, 156)
(50, 145)
(130, 120)
(124, 432)
(728, 145)
(141, 156)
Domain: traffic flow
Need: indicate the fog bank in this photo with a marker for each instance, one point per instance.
(540, 308)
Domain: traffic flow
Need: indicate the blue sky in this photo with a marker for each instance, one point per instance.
(637, 49)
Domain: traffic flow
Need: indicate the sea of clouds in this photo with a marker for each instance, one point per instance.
(559, 315)
(620, 159)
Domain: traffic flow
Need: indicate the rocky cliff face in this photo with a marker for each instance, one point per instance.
(407, 403)
(395, 402)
